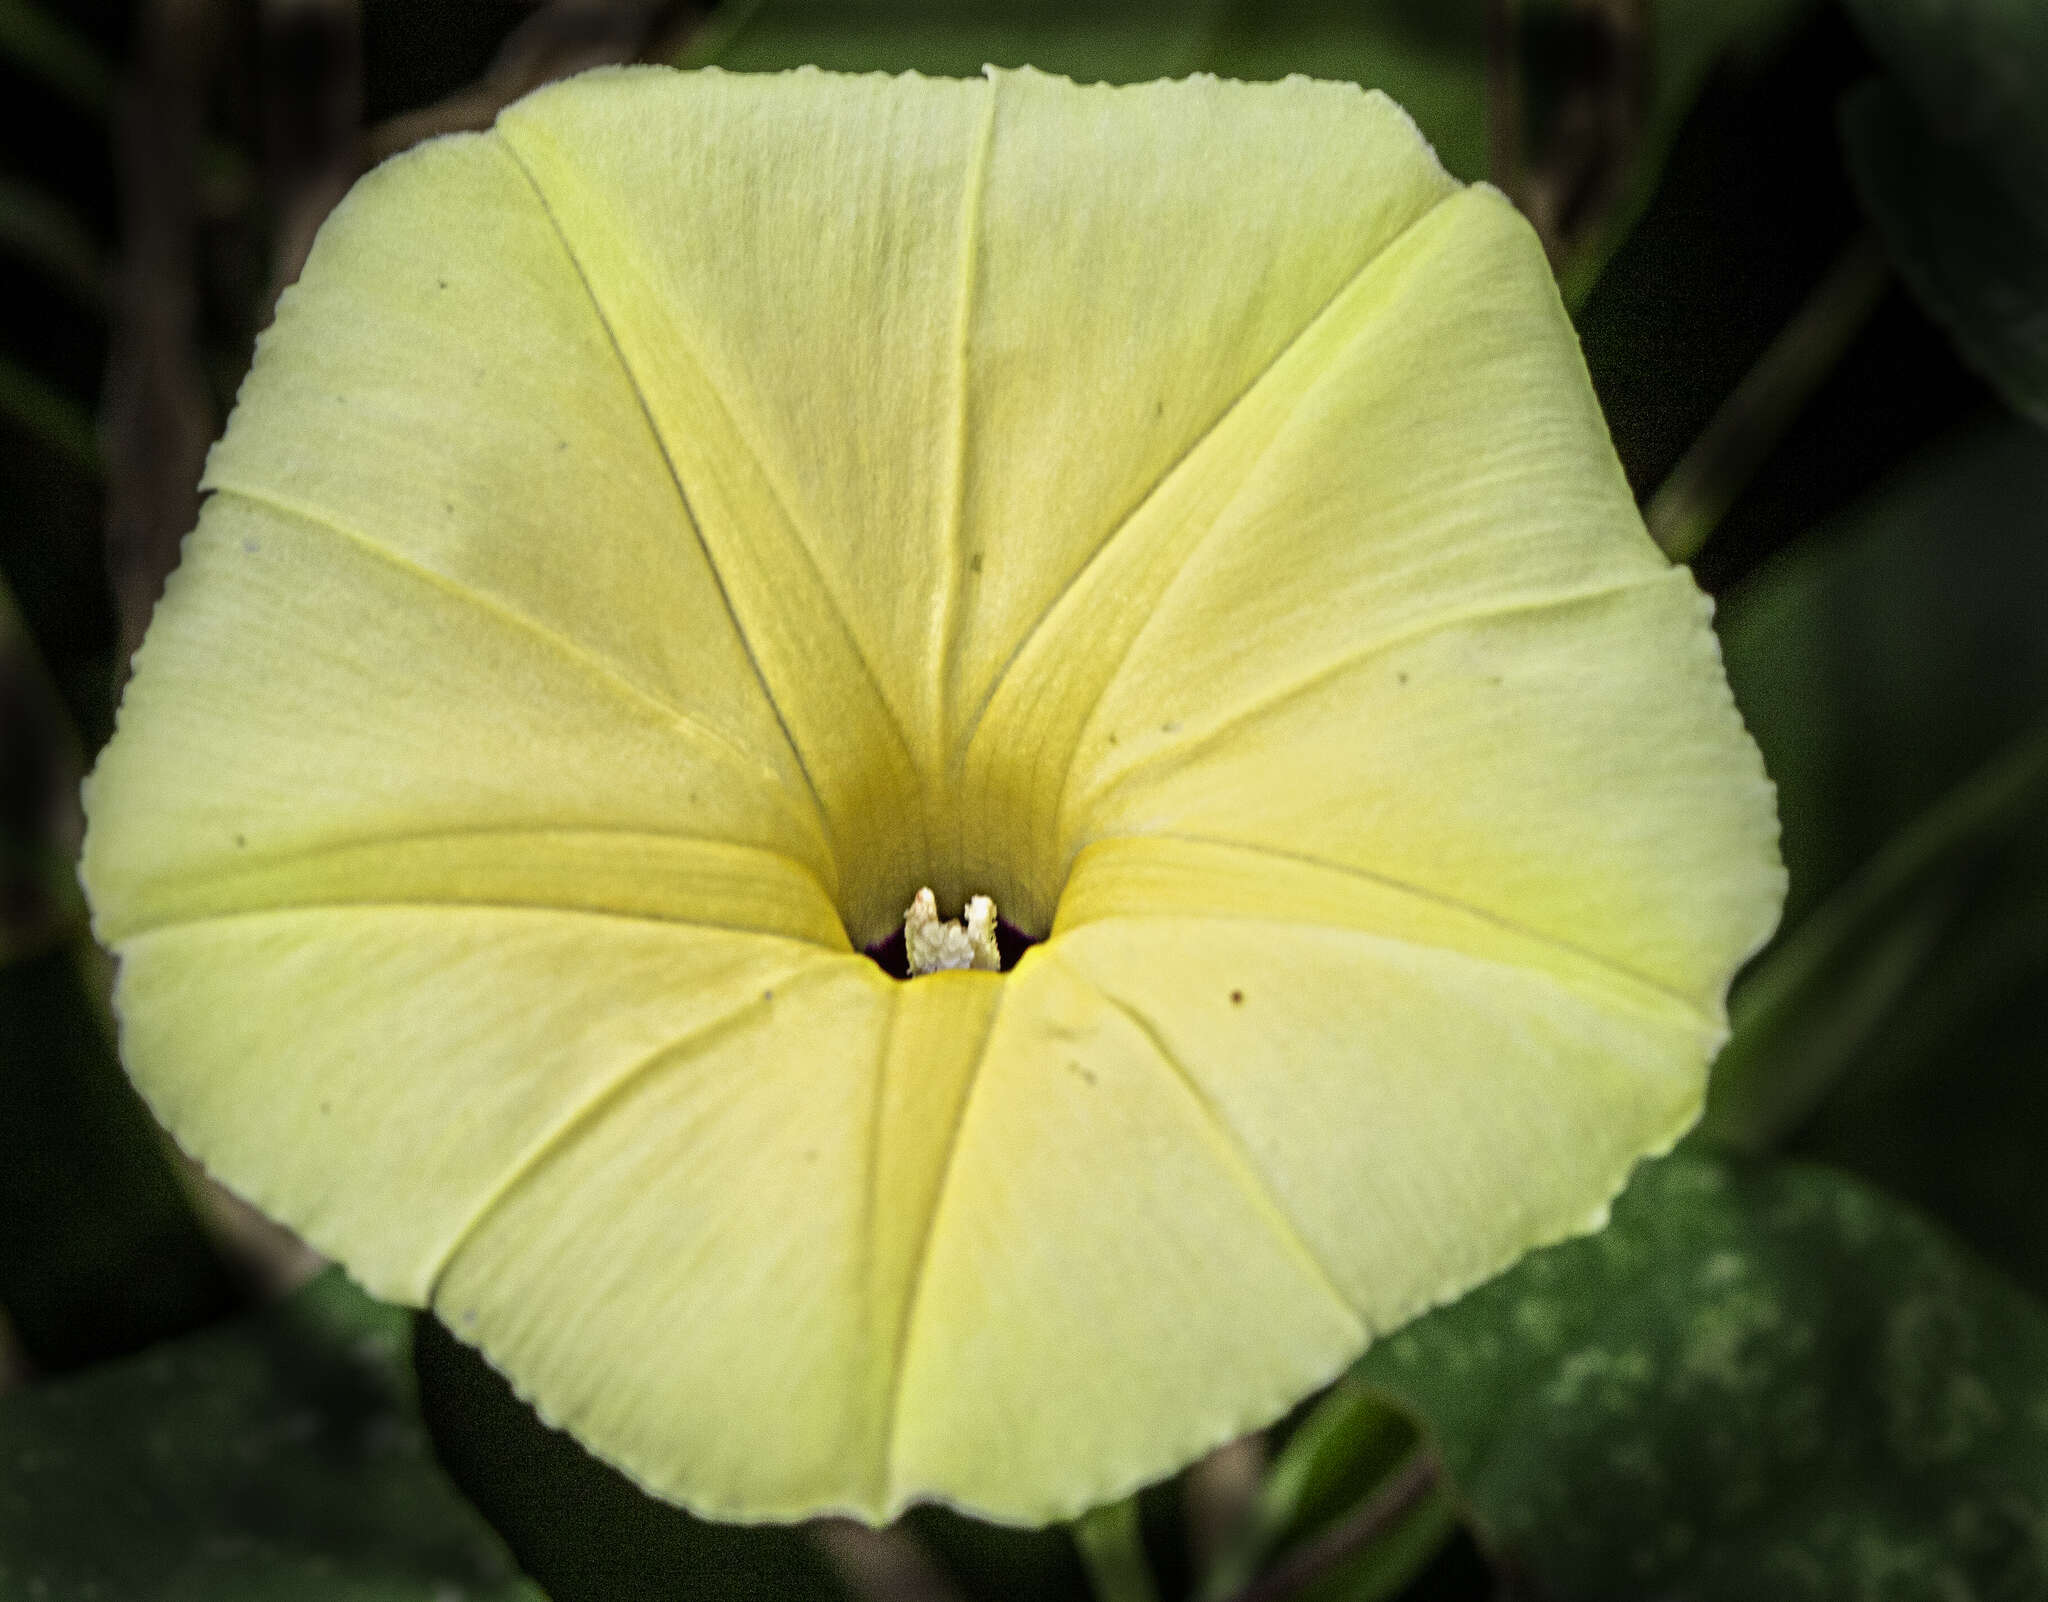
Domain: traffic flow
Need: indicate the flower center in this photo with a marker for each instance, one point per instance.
(931, 945)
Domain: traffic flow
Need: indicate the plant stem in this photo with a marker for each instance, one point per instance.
(1407, 1490)
(1740, 437)
(1112, 1547)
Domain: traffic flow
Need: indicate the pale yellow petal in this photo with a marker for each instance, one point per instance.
(1426, 637)
(780, 263)
(1017, 765)
(1120, 311)
(300, 692)
(1111, 1284)
(710, 1283)
(1573, 768)
(375, 1075)
(910, 384)
(1421, 1116)
(439, 386)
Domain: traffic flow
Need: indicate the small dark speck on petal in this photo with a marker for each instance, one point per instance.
(561, 444)
(1087, 1075)
(767, 995)
(974, 563)
(1159, 408)
(1112, 738)
(442, 283)
(240, 841)
(1170, 728)
(327, 1107)
(252, 545)
(1237, 998)
(448, 507)
(1401, 678)
(1495, 680)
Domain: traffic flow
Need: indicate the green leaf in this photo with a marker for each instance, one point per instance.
(45, 48)
(1688, 40)
(1972, 254)
(1319, 1505)
(1754, 1383)
(1949, 157)
(1892, 653)
(1978, 72)
(100, 1252)
(50, 236)
(1111, 1541)
(277, 1457)
(1936, 901)
(1894, 670)
(53, 420)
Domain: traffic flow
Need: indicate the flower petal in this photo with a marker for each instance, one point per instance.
(1303, 1136)
(302, 693)
(1426, 638)
(438, 390)
(739, 1238)
(435, 1053)
(878, 411)
(1111, 1285)
(796, 352)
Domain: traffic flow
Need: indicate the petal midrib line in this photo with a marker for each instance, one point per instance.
(561, 1134)
(1179, 752)
(1183, 461)
(711, 741)
(1666, 996)
(1232, 1157)
(632, 379)
(519, 842)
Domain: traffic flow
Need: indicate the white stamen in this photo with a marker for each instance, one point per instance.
(933, 946)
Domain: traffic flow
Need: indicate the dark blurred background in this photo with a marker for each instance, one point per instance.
(1805, 253)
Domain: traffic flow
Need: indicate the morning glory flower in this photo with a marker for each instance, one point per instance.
(663, 535)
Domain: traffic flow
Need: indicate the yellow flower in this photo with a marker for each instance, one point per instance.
(661, 535)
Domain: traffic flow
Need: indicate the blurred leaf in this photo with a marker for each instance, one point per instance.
(42, 47)
(1688, 40)
(999, 1563)
(1975, 257)
(1950, 157)
(55, 421)
(1429, 56)
(1894, 652)
(1894, 669)
(1111, 1541)
(1335, 1466)
(579, 1527)
(100, 1252)
(49, 236)
(40, 769)
(1828, 996)
(1754, 1383)
(1753, 421)
(1978, 71)
(277, 1457)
